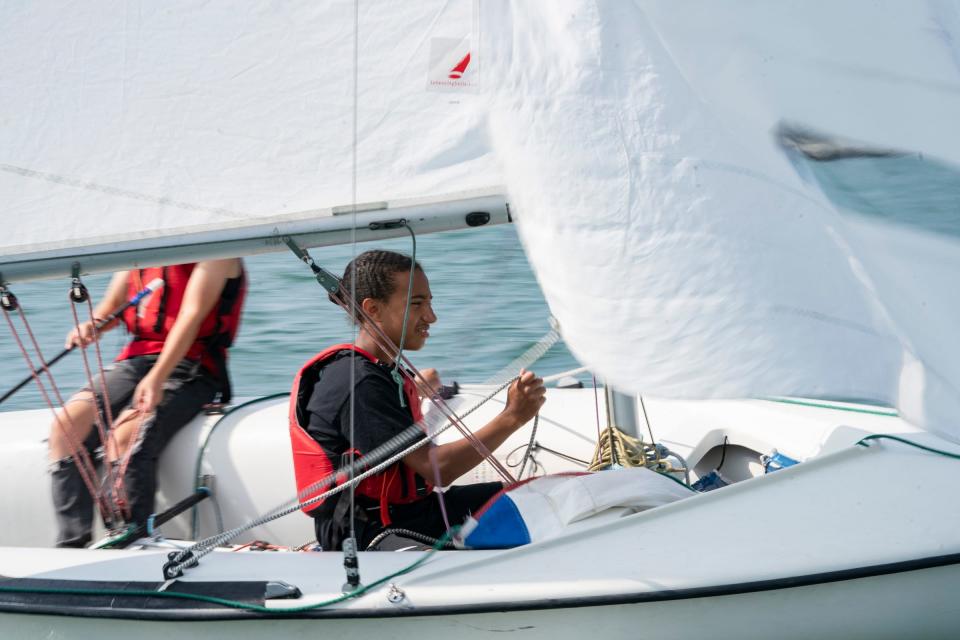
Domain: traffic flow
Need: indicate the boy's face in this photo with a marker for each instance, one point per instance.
(421, 310)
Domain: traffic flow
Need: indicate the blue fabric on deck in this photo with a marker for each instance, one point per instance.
(500, 527)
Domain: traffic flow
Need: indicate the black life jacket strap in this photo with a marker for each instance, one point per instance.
(162, 310)
(404, 485)
(422, 488)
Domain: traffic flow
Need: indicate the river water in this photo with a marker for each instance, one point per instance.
(489, 306)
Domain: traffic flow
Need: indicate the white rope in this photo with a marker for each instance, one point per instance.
(191, 556)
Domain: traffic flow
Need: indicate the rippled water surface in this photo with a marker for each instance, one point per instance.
(489, 306)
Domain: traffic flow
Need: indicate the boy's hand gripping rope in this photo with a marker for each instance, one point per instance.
(135, 300)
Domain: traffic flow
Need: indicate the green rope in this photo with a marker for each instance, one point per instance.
(677, 480)
(863, 442)
(110, 542)
(195, 513)
(236, 604)
(889, 413)
(121, 537)
(397, 377)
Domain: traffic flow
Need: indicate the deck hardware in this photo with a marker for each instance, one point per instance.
(477, 218)
(351, 565)
(388, 224)
(395, 595)
(326, 279)
(279, 590)
(7, 300)
(78, 290)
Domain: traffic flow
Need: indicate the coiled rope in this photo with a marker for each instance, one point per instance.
(615, 448)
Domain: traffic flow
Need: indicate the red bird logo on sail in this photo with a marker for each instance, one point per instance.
(457, 72)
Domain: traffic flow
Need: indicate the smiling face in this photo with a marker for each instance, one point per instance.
(389, 313)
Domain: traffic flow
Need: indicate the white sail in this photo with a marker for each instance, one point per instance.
(130, 123)
(683, 249)
(684, 235)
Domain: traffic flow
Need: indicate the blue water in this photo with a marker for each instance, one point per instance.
(489, 308)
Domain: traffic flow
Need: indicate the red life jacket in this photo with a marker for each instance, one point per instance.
(395, 485)
(150, 323)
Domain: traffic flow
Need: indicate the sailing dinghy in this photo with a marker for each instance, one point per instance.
(720, 203)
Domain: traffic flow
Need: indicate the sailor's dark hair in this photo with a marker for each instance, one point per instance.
(372, 272)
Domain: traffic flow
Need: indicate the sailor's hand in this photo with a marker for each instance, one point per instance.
(148, 394)
(81, 336)
(431, 379)
(525, 397)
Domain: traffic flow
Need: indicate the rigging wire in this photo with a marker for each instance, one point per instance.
(81, 456)
(187, 558)
(100, 324)
(334, 287)
(437, 482)
(865, 442)
(350, 560)
(426, 391)
(398, 377)
(198, 479)
(141, 418)
(190, 556)
(646, 419)
(530, 446)
(565, 456)
(102, 414)
(723, 452)
(596, 404)
(108, 409)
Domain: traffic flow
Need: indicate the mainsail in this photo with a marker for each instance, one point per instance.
(674, 167)
(131, 127)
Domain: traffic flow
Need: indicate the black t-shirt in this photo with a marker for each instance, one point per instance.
(378, 416)
(377, 413)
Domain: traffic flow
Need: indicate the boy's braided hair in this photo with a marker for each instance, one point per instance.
(371, 273)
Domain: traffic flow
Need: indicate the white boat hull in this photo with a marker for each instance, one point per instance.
(919, 604)
(245, 458)
(854, 542)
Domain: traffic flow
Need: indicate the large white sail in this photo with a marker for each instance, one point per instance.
(667, 162)
(130, 123)
(684, 249)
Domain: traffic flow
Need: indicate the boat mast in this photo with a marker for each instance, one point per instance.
(622, 411)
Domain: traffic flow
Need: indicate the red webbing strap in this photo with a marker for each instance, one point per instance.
(80, 455)
(103, 416)
(118, 487)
